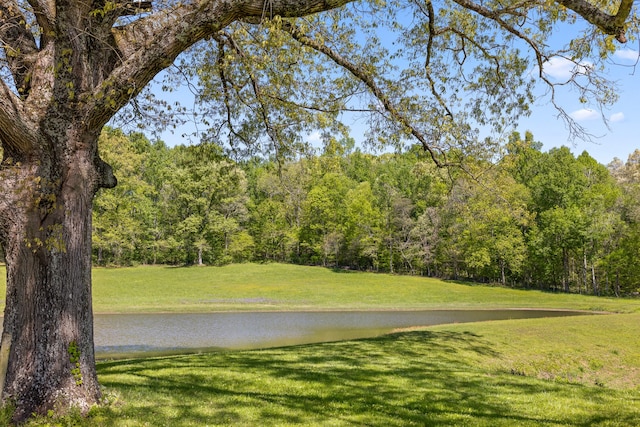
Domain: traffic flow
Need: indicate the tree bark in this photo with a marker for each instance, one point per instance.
(45, 231)
(608, 23)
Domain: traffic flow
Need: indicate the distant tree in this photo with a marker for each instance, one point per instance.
(363, 223)
(207, 203)
(120, 217)
(278, 201)
(622, 242)
(576, 202)
(486, 224)
(322, 233)
(522, 157)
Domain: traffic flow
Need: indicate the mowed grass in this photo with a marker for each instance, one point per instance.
(568, 371)
(245, 287)
(577, 371)
(289, 287)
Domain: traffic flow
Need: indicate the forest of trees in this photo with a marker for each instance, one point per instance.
(546, 220)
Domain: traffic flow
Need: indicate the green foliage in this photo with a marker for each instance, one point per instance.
(547, 220)
(179, 205)
(74, 358)
(6, 413)
(121, 215)
(405, 68)
(487, 230)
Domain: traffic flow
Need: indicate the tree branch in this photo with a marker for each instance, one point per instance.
(609, 24)
(18, 43)
(144, 53)
(14, 134)
(368, 80)
(44, 11)
(287, 8)
(226, 88)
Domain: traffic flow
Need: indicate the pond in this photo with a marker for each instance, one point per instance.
(127, 335)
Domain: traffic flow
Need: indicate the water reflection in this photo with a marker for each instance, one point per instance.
(132, 334)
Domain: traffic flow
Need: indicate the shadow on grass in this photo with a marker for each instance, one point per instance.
(422, 377)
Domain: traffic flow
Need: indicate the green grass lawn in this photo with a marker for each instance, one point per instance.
(577, 371)
(568, 371)
(289, 287)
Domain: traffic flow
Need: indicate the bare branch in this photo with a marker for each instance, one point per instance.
(368, 80)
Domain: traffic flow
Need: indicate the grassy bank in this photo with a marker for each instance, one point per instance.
(578, 371)
(280, 286)
(570, 371)
(290, 287)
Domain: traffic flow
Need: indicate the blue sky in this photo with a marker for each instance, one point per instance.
(618, 139)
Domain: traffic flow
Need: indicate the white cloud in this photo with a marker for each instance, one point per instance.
(616, 117)
(314, 137)
(584, 114)
(563, 69)
(627, 54)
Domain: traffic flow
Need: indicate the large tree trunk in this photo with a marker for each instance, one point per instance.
(47, 355)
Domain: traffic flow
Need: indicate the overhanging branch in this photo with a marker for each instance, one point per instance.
(368, 80)
(150, 44)
(609, 24)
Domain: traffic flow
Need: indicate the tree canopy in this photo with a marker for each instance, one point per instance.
(444, 74)
(431, 72)
(559, 222)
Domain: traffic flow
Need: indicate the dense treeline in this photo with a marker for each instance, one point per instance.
(546, 220)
